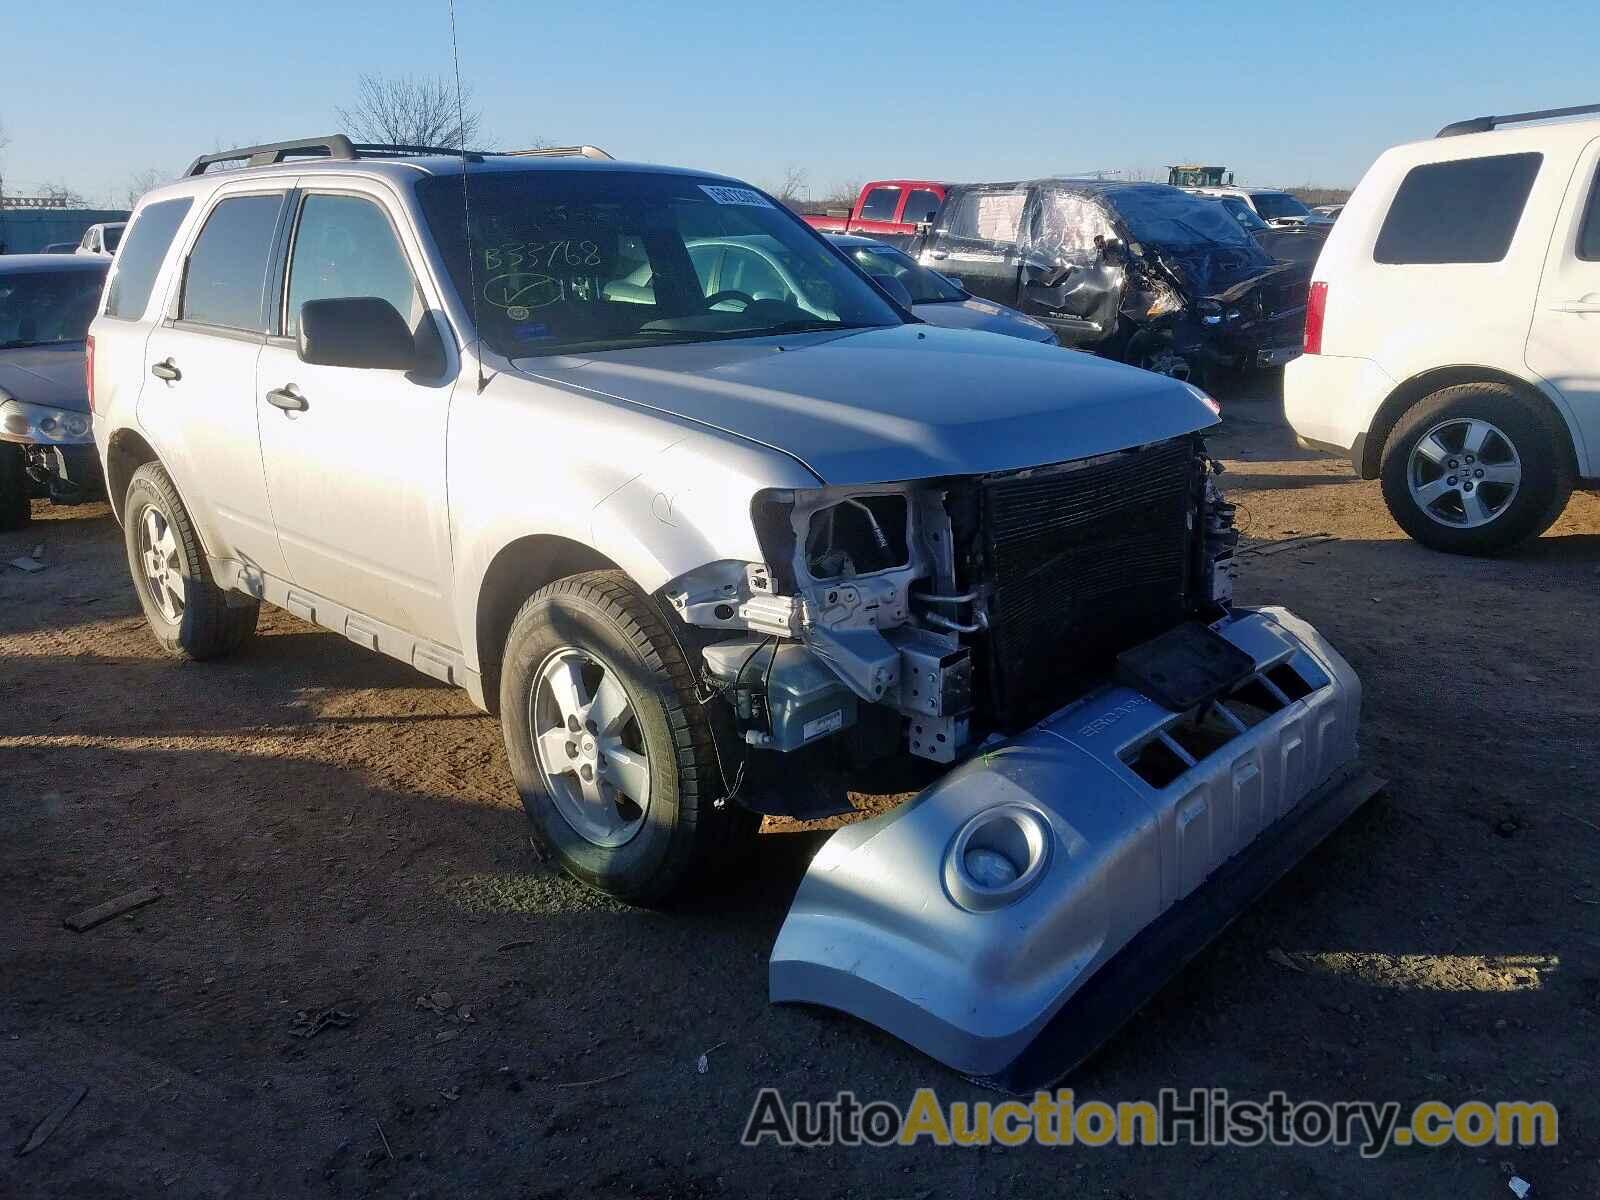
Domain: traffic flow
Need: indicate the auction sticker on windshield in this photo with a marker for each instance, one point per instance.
(735, 195)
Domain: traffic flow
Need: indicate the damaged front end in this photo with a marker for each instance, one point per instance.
(1186, 317)
(1136, 759)
(1161, 279)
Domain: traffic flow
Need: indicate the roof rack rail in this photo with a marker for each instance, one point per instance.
(334, 145)
(558, 152)
(399, 150)
(1486, 124)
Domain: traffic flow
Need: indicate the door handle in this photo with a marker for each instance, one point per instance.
(1576, 306)
(287, 399)
(166, 370)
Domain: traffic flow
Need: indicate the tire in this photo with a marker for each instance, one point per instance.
(599, 629)
(15, 487)
(1152, 352)
(1519, 480)
(204, 621)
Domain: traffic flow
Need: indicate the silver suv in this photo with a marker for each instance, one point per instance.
(488, 415)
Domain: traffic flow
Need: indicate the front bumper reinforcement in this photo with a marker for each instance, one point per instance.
(1125, 874)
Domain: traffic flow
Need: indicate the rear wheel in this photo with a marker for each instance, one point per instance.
(15, 510)
(1475, 469)
(609, 744)
(188, 613)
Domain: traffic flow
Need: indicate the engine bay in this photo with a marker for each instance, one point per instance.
(966, 606)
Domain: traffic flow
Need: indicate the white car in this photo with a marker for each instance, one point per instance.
(1452, 341)
(101, 239)
(1273, 205)
(693, 534)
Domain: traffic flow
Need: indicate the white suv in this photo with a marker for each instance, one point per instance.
(1452, 342)
(1280, 209)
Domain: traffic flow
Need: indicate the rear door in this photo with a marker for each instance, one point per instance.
(198, 399)
(975, 241)
(1564, 338)
(356, 462)
(878, 209)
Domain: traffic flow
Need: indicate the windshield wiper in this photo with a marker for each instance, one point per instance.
(22, 345)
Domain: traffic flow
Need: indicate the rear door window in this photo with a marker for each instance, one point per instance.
(140, 261)
(1464, 211)
(988, 216)
(225, 278)
(880, 204)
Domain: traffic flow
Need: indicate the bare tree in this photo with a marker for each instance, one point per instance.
(792, 190)
(412, 110)
(142, 182)
(65, 193)
(842, 195)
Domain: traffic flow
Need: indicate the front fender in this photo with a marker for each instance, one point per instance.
(690, 506)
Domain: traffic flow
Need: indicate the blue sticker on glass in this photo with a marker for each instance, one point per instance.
(530, 333)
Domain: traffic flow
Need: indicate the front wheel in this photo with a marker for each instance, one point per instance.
(609, 745)
(1152, 352)
(1475, 469)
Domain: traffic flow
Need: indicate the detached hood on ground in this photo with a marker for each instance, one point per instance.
(986, 316)
(906, 402)
(48, 375)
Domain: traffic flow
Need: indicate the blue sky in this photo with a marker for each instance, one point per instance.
(1287, 92)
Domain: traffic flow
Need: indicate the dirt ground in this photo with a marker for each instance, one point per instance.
(329, 829)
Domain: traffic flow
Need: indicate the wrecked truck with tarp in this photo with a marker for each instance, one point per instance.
(1139, 272)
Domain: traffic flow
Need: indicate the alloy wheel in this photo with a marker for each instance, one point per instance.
(590, 747)
(163, 572)
(1464, 472)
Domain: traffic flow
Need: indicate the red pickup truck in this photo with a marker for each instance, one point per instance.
(887, 209)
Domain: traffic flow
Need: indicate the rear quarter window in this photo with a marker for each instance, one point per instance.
(145, 249)
(1464, 211)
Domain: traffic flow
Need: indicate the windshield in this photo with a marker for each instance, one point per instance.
(38, 308)
(1273, 205)
(1193, 235)
(589, 261)
(1242, 213)
(1169, 217)
(925, 286)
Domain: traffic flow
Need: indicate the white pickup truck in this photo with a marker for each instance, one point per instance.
(485, 414)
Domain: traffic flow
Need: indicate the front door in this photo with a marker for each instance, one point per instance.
(976, 242)
(355, 458)
(1564, 338)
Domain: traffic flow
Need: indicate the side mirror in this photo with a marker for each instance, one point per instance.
(897, 290)
(355, 331)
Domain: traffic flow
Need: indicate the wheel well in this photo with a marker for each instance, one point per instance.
(519, 570)
(1420, 386)
(126, 454)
